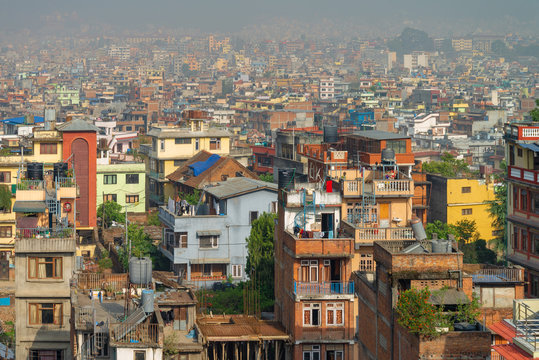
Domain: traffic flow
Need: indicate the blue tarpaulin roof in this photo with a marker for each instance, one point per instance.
(532, 147)
(20, 120)
(200, 166)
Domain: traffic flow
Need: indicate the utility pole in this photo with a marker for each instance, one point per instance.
(126, 240)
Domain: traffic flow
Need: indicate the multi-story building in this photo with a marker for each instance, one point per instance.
(416, 60)
(207, 244)
(314, 297)
(171, 147)
(123, 183)
(463, 198)
(44, 261)
(521, 153)
(462, 44)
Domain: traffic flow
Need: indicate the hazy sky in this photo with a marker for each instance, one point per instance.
(437, 17)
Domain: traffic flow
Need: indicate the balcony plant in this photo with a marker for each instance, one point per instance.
(5, 198)
(417, 314)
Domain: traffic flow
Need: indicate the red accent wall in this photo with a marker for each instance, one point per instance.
(87, 187)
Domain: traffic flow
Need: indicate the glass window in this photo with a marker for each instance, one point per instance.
(45, 268)
(399, 146)
(139, 355)
(131, 199)
(46, 355)
(111, 197)
(535, 243)
(5, 177)
(48, 148)
(162, 145)
(215, 143)
(466, 189)
(535, 202)
(109, 179)
(335, 314)
(524, 240)
(311, 314)
(253, 215)
(131, 178)
(466, 211)
(5, 231)
(209, 242)
(179, 141)
(45, 314)
(237, 271)
(523, 200)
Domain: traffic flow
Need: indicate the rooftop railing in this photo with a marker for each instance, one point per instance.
(324, 288)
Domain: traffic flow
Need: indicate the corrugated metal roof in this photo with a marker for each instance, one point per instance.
(511, 352)
(208, 232)
(504, 330)
(29, 206)
(239, 185)
(379, 135)
(77, 125)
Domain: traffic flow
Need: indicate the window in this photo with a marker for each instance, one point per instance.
(399, 146)
(311, 352)
(466, 189)
(179, 141)
(215, 143)
(162, 145)
(178, 162)
(253, 215)
(335, 314)
(131, 199)
(139, 355)
(197, 144)
(273, 208)
(515, 238)
(535, 243)
(109, 179)
(311, 314)
(237, 271)
(45, 314)
(45, 268)
(515, 198)
(131, 178)
(466, 211)
(524, 240)
(511, 155)
(209, 241)
(523, 200)
(5, 231)
(48, 148)
(519, 152)
(206, 270)
(46, 355)
(182, 237)
(535, 202)
(366, 262)
(5, 177)
(334, 355)
(111, 197)
(309, 271)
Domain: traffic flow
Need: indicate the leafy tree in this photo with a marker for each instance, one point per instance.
(411, 40)
(266, 177)
(466, 231)
(260, 257)
(153, 219)
(535, 112)
(441, 229)
(476, 252)
(449, 166)
(191, 198)
(5, 197)
(110, 211)
(416, 313)
(498, 209)
(141, 245)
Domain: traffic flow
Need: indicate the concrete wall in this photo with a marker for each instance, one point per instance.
(121, 188)
(129, 353)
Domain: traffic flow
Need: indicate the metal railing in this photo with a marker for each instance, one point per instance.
(157, 175)
(324, 288)
(84, 317)
(44, 233)
(95, 281)
(66, 182)
(26, 184)
(141, 334)
(526, 323)
(505, 274)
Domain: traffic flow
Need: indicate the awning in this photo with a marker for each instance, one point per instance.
(210, 261)
(209, 233)
(532, 147)
(29, 206)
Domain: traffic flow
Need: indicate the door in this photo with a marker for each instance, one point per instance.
(327, 225)
(384, 215)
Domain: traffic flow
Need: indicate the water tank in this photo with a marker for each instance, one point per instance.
(34, 171)
(60, 170)
(140, 270)
(330, 134)
(417, 228)
(147, 300)
(388, 156)
(286, 178)
(441, 246)
(50, 115)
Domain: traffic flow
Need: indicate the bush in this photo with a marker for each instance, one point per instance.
(417, 314)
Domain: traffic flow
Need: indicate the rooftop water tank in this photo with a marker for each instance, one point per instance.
(147, 300)
(418, 229)
(34, 171)
(388, 156)
(60, 170)
(441, 246)
(140, 270)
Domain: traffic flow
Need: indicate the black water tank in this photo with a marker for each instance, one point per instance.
(388, 156)
(330, 134)
(35, 171)
(60, 170)
(286, 178)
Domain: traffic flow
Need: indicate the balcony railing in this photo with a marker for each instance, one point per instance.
(392, 187)
(30, 184)
(529, 176)
(404, 233)
(157, 198)
(324, 288)
(141, 334)
(208, 278)
(66, 182)
(157, 175)
(44, 233)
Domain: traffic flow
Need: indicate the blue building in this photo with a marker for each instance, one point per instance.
(210, 246)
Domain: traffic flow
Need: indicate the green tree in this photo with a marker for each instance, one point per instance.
(266, 177)
(476, 252)
(141, 245)
(5, 197)
(260, 257)
(466, 231)
(416, 313)
(535, 112)
(191, 198)
(449, 166)
(153, 219)
(110, 211)
(497, 209)
(441, 229)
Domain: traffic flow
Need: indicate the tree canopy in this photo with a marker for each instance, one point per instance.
(449, 166)
(498, 209)
(110, 211)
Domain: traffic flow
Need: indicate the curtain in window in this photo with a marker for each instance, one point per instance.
(58, 267)
(32, 267)
(42, 269)
(338, 314)
(331, 317)
(306, 317)
(58, 314)
(33, 314)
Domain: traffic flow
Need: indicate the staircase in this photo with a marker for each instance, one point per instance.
(307, 214)
(135, 318)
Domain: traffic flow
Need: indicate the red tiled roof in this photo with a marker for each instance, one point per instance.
(511, 352)
(504, 330)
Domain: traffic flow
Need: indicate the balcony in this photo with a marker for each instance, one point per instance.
(327, 288)
(67, 188)
(32, 241)
(30, 190)
(522, 131)
(393, 188)
(157, 175)
(144, 334)
(524, 175)
(157, 198)
(312, 247)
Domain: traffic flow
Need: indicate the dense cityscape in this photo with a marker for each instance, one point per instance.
(292, 190)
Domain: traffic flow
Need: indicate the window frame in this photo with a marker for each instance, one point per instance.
(6, 234)
(215, 143)
(139, 352)
(3, 177)
(39, 307)
(467, 211)
(182, 141)
(131, 198)
(110, 179)
(34, 275)
(110, 197)
(334, 308)
(130, 178)
(48, 148)
(214, 242)
(311, 309)
(237, 271)
(251, 214)
(466, 189)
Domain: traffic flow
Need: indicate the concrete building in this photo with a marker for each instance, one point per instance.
(207, 245)
(522, 209)
(124, 184)
(416, 60)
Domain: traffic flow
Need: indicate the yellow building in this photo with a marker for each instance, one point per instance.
(172, 146)
(454, 199)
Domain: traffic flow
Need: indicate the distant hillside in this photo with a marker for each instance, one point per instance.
(411, 40)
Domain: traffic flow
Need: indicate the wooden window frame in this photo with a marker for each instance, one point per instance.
(39, 308)
(110, 197)
(110, 179)
(310, 308)
(6, 233)
(53, 261)
(335, 308)
(3, 175)
(131, 199)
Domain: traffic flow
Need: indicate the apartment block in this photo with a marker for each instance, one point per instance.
(123, 183)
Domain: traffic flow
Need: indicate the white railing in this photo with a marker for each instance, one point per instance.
(404, 233)
(392, 186)
(530, 132)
